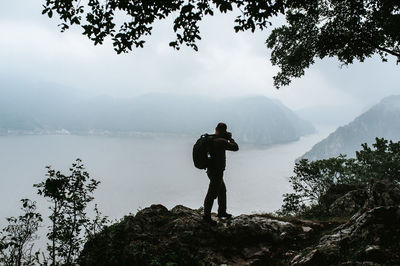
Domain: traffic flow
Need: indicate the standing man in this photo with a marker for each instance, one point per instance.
(222, 142)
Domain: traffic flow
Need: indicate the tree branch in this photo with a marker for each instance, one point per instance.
(392, 52)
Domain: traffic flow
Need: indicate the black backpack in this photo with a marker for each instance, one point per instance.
(201, 151)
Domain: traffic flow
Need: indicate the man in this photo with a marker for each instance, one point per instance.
(222, 142)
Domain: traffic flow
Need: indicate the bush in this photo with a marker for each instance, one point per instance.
(69, 196)
(17, 238)
(313, 178)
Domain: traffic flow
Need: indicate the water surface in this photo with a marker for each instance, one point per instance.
(136, 172)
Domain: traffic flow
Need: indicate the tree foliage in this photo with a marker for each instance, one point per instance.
(313, 178)
(70, 228)
(17, 238)
(348, 29)
(69, 196)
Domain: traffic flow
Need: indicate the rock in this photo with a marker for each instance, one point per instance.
(336, 191)
(158, 236)
(348, 204)
(306, 229)
(382, 193)
(346, 200)
(313, 257)
(357, 263)
(375, 253)
(371, 236)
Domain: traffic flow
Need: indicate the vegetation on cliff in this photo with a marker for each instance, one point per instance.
(69, 224)
(313, 179)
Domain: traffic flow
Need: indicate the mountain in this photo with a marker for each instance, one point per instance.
(381, 120)
(30, 105)
(257, 119)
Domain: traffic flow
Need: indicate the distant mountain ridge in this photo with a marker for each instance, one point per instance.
(256, 119)
(381, 120)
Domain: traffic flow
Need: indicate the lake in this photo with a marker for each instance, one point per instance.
(136, 172)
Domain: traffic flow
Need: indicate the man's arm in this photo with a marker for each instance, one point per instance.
(231, 145)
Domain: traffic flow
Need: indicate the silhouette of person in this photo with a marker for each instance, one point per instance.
(221, 142)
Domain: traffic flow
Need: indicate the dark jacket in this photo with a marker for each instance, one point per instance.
(218, 156)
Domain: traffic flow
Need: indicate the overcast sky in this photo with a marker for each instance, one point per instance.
(227, 64)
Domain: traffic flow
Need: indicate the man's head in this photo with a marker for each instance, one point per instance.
(220, 130)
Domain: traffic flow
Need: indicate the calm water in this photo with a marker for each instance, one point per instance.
(136, 172)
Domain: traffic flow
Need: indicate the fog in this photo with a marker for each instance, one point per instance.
(136, 172)
(227, 64)
(133, 118)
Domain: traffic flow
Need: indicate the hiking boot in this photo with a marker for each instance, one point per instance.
(209, 220)
(224, 215)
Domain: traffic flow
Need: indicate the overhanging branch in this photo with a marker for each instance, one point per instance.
(392, 52)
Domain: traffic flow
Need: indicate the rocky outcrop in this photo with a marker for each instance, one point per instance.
(368, 238)
(382, 193)
(345, 200)
(158, 236)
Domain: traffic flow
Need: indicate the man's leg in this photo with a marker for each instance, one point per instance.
(222, 202)
(222, 198)
(212, 193)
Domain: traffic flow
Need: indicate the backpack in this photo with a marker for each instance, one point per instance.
(201, 151)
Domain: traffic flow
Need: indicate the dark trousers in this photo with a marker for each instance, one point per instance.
(216, 189)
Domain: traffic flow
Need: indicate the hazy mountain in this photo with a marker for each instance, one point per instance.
(381, 120)
(252, 119)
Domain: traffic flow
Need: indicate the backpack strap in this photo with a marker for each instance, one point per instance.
(210, 143)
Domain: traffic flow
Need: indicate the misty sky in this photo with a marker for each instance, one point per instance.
(227, 64)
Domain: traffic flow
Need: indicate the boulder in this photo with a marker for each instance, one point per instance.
(382, 192)
(337, 191)
(346, 200)
(348, 204)
(368, 237)
(159, 236)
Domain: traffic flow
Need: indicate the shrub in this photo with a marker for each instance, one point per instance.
(313, 178)
(17, 238)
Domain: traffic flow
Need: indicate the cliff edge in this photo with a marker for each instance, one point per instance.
(158, 236)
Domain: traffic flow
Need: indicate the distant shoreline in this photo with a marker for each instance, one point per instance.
(64, 132)
(134, 134)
